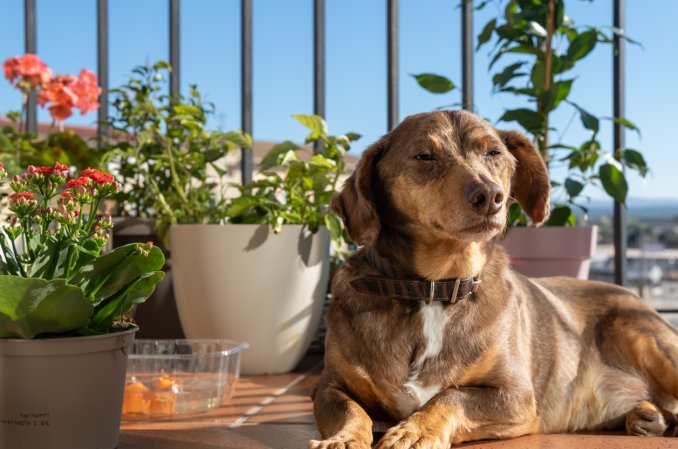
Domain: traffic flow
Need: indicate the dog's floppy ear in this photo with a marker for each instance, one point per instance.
(530, 184)
(355, 202)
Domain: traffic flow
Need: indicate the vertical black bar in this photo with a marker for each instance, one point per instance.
(102, 68)
(319, 62)
(467, 54)
(246, 163)
(618, 59)
(31, 47)
(174, 48)
(392, 61)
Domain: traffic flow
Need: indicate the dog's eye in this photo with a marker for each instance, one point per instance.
(493, 153)
(424, 157)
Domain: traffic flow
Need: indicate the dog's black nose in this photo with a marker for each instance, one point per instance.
(485, 197)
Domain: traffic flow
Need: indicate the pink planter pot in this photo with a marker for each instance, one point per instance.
(551, 251)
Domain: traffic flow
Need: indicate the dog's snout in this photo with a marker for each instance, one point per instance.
(485, 197)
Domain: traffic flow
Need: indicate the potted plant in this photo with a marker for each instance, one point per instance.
(255, 267)
(148, 128)
(63, 336)
(542, 45)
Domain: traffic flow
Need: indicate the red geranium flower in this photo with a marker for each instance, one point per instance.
(30, 69)
(86, 89)
(61, 167)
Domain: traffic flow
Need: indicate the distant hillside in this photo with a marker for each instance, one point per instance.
(656, 208)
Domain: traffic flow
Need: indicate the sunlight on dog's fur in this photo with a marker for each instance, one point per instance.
(519, 355)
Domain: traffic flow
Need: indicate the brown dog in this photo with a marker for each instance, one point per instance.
(455, 360)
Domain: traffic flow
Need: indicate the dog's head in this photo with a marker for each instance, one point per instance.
(448, 174)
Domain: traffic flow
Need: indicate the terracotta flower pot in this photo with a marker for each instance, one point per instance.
(63, 393)
(551, 250)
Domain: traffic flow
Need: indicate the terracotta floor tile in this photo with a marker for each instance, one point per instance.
(606, 441)
(264, 436)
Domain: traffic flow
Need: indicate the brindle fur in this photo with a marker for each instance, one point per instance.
(522, 356)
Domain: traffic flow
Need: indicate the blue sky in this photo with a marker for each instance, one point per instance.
(356, 61)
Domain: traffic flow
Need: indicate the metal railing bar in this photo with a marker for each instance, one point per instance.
(102, 69)
(175, 47)
(392, 63)
(467, 55)
(30, 46)
(618, 78)
(246, 162)
(319, 62)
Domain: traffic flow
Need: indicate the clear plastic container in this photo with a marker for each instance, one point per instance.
(169, 379)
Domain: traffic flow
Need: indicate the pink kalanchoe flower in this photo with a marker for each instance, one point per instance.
(86, 89)
(30, 71)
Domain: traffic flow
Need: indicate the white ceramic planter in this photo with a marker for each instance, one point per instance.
(552, 250)
(244, 283)
(62, 393)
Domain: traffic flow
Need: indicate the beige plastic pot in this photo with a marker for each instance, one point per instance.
(244, 283)
(552, 250)
(62, 393)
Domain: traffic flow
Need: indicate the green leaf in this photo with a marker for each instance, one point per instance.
(243, 140)
(626, 123)
(134, 293)
(11, 267)
(582, 45)
(272, 157)
(434, 83)
(561, 216)
(588, 120)
(50, 263)
(613, 181)
(241, 205)
(353, 136)
(556, 93)
(30, 307)
(106, 276)
(538, 76)
(506, 75)
(313, 122)
(527, 118)
(635, 160)
(486, 34)
(573, 187)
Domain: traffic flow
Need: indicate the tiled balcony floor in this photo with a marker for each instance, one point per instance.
(275, 412)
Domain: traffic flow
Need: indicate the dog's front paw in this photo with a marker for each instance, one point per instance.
(646, 419)
(410, 436)
(338, 443)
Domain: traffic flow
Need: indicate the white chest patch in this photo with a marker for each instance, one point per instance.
(413, 394)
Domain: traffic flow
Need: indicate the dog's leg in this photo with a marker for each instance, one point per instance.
(464, 414)
(651, 345)
(647, 419)
(342, 423)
